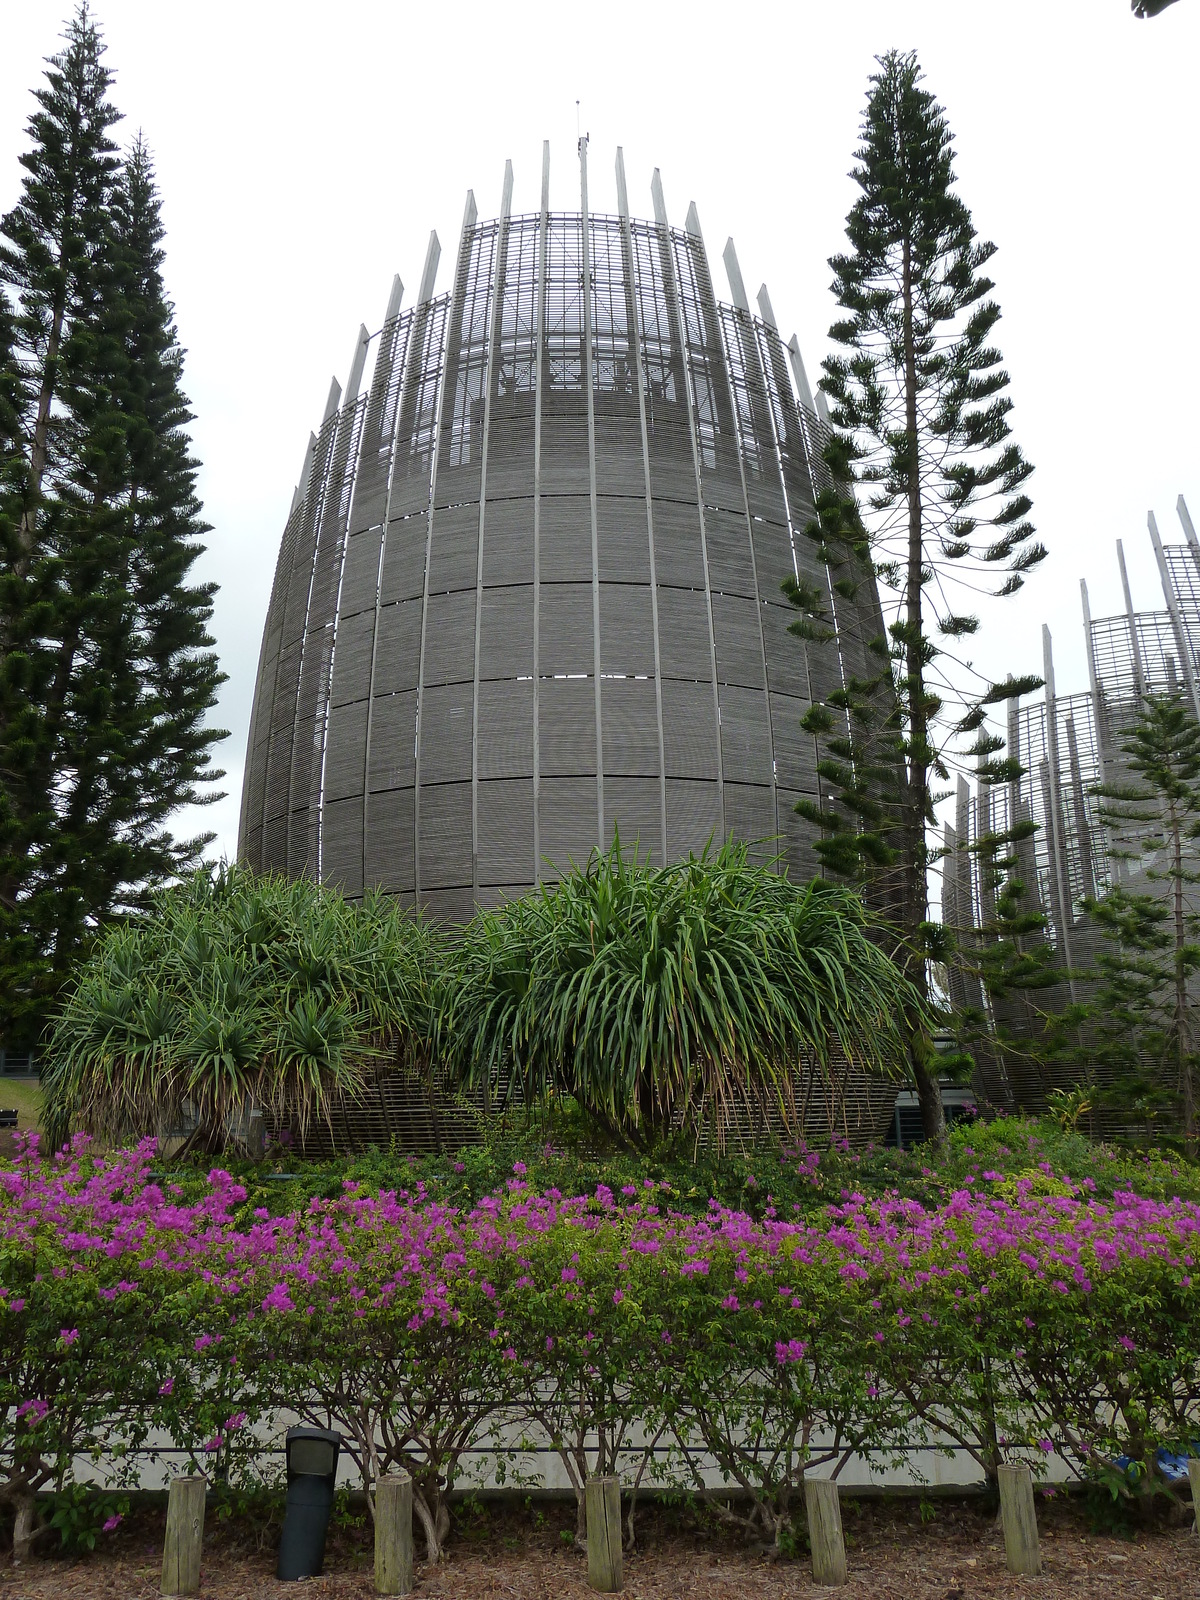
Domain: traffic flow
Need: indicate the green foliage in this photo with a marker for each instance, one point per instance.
(236, 990)
(79, 1515)
(918, 401)
(563, 1152)
(106, 667)
(1128, 1037)
(667, 995)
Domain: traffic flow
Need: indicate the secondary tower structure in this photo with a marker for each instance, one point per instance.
(530, 588)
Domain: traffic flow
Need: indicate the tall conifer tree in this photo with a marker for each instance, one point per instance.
(920, 414)
(107, 671)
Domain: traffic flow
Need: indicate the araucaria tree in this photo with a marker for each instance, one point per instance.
(919, 409)
(107, 671)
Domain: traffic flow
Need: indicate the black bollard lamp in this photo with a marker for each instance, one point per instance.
(312, 1458)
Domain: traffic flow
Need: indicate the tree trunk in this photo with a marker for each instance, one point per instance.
(433, 1545)
(916, 801)
(39, 451)
(24, 1526)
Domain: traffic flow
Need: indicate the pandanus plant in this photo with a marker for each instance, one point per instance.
(236, 990)
(660, 996)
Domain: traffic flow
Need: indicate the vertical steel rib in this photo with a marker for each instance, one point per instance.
(586, 291)
(539, 356)
(416, 332)
(674, 299)
(635, 339)
(327, 451)
(464, 242)
(1135, 644)
(493, 336)
(1173, 610)
(1056, 820)
(748, 343)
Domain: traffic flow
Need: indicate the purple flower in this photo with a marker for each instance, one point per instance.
(113, 1522)
(68, 1335)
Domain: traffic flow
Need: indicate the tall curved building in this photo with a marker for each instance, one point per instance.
(529, 590)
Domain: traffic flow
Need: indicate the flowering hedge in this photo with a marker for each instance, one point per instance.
(1006, 1321)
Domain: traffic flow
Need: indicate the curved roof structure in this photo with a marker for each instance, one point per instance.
(529, 590)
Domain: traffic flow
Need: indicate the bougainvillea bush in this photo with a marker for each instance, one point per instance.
(722, 1352)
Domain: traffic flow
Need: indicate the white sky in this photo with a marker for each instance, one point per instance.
(305, 152)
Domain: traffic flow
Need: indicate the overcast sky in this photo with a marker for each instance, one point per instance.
(304, 153)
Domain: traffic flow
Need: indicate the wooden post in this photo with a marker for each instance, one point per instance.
(1194, 1479)
(1019, 1520)
(185, 1536)
(824, 1508)
(602, 1499)
(393, 1534)
(256, 1135)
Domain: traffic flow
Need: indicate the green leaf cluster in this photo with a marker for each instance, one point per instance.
(107, 671)
(236, 990)
(655, 996)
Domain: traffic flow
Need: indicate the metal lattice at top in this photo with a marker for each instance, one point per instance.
(529, 591)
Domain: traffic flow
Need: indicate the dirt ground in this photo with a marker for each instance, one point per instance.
(954, 1552)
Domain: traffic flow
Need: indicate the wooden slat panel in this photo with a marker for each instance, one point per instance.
(683, 641)
(565, 538)
(398, 647)
(745, 735)
(393, 741)
(693, 817)
(739, 642)
(565, 629)
(505, 730)
(567, 822)
(506, 632)
(622, 540)
(630, 724)
(345, 750)
(404, 559)
(342, 845)
(626, 629)
(390, 841)
(505, 828)
(360, 576)
(446, 735)
(450, 638)
(567, 736)
(507, 540)
(352, 658)
(446, 835)
(634, 806)
(689, 729)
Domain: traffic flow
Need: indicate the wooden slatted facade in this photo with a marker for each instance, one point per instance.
(530, 590)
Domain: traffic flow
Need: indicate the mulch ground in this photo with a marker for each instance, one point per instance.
(954, 1553)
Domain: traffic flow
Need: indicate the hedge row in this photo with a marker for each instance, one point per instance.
(1019, 1318)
